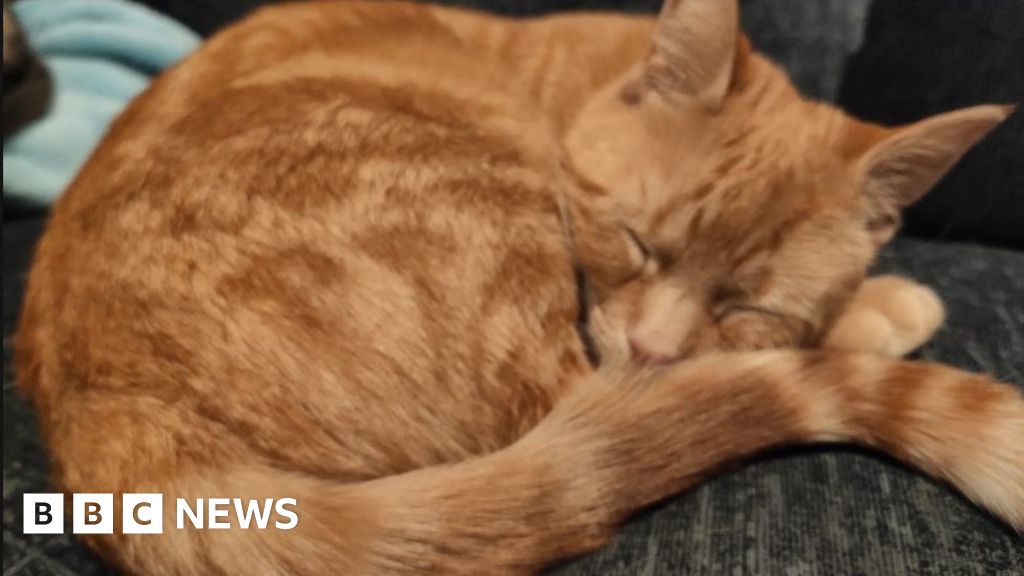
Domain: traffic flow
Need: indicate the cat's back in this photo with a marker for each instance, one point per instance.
(324, 228)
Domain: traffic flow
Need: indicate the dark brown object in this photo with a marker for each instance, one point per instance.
(27, 85)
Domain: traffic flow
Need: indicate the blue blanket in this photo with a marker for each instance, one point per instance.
(101, 54)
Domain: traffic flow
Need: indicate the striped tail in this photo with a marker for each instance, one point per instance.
(621, 441)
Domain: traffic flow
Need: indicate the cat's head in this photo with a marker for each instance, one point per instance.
(755, 213)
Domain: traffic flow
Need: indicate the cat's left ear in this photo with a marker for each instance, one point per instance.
(695, 49)
(907, 162)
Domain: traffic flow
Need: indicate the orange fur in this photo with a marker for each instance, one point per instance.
(327, 258)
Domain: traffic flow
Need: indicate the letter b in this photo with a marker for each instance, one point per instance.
(43, 514)
(93, 514)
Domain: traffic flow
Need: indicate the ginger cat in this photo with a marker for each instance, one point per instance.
(333, 256)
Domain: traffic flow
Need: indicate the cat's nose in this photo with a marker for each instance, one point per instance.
(650, 350)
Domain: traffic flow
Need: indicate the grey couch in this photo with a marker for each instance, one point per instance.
(814, 511)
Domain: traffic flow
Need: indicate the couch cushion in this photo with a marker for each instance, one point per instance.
(807, 511)
(811, 40)
(922, 57)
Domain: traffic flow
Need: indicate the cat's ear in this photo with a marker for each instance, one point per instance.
(695, 49)
(907, 162)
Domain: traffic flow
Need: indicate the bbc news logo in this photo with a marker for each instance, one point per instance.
(144, 513)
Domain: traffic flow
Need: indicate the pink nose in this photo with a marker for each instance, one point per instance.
(650, 350)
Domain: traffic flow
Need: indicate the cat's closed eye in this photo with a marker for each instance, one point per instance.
(727, 295)
(640, 245)
(752, 328)
(654, 259)
(738, 308)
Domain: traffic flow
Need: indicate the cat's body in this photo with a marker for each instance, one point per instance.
(356, 224)
(325, 278)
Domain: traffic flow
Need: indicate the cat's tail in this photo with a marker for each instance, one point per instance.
(620, 442)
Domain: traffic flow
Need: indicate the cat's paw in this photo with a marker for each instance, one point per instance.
(888, 315)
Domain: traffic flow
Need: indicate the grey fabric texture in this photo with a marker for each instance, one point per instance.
(799, 512)
(922, 57)
(811, 39)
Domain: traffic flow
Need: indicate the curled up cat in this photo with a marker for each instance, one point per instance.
(333, 256)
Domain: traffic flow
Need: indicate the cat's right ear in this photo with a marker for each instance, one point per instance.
(905, 163)
(694, 50)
